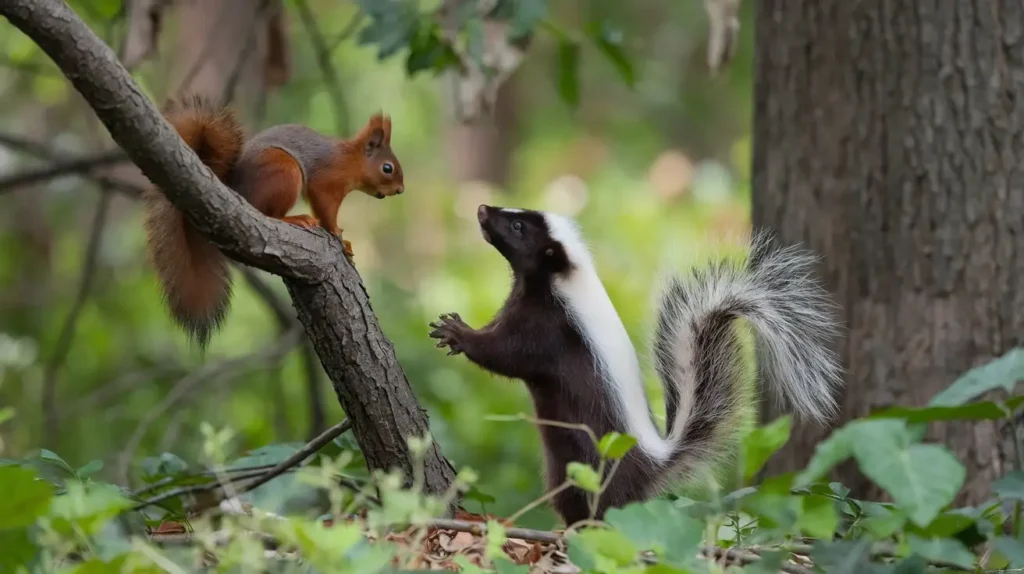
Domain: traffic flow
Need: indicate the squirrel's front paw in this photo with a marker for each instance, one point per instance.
(449, 330)
(348, 248)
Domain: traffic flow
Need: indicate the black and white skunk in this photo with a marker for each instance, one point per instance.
(559, 332)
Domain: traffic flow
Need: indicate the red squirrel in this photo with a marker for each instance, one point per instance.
(559, 332)
(269, 170)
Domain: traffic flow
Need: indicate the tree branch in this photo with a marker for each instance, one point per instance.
(326, 290)
(75, 166)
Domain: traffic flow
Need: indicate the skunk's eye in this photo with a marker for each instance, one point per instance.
(517, 226)
(387, 168)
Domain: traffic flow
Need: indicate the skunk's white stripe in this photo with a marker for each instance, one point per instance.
(588, 305)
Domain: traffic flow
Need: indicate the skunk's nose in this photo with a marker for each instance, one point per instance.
(481, 213)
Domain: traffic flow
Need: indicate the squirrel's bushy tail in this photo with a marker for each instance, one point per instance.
(698, 355)
(193, 273)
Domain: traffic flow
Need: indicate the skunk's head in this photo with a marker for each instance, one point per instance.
(533, 242)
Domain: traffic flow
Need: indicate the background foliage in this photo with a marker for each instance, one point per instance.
(653, 160)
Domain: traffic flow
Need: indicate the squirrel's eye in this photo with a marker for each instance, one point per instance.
(517, 226)
(387, 168)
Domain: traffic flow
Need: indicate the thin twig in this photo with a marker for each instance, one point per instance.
(323, 60)
(69, 167)
(67, 332)
(243, 56)
(42, 151)
(302, 454)
(272, 352)
(347, 31)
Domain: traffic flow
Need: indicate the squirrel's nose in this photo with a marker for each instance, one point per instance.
(399, 190)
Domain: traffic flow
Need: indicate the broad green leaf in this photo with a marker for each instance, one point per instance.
(25, 498)
(1012, 549)
(608, 40)
(818, 518)
(16, 548)
(942, 550)
(569, 72)
(91, 467)
(526, 15)
(827, 454)
(881, 520)
(912, 564)
(978, 411)
(661, 527)
(506, 566)
(584, 476)
(478, 495)
(496, 538)
(50, 456)
(167, 464)
(1003, 373)
(761, 443)
(921, 478)
(87, 508)
(609, 543)
(1010, 486)
(615, 445)
(842, 557)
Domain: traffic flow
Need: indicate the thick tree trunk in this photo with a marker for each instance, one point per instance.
(888, 138)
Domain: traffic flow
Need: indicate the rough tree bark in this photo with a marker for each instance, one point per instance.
(326, 290)
(888, 138)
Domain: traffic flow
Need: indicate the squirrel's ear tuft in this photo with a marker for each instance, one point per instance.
(386, 126)
(373, 141)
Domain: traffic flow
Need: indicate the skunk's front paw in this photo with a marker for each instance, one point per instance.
(449, 330)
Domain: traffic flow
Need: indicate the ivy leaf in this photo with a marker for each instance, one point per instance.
(881, 520)
(569, 72)
(615, 445)
(584, 476)
(761, 443)
(827, 454)
(922, 478)
(608, 40)
(818, 518)
(25, 496)
(661, 527)
(1003, 373)
(942, 550)
(611, 544)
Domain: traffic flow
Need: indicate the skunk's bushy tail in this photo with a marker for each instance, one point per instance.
(698, 354)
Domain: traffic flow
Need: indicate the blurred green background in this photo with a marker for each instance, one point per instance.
(657, 176)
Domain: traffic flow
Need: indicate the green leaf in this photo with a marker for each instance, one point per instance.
(827, 454)
(568, 72)
(842, 557)
(390, 30)
(496, 538)
(526, 15)
(16, 548)
(761, 443)
(1012, 549)
(25, 498)
(427, 51)
(1010, 486)
(608, 40)
(942, 550)
(91, 467)
(584, 476)
(165, 465)
(913, 564)
(474, 493)
(615, 445)
(881, 520)
(661, 527)
(978, 411)
(506, 566)
(922, 478)
(1003, 373)
(611, 544)
(818, 518)
(87, 508)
